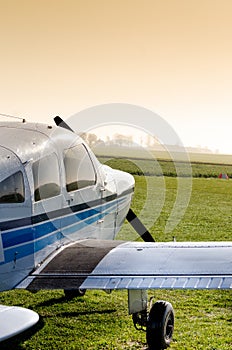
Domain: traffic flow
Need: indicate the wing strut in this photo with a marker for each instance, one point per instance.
(139, 227)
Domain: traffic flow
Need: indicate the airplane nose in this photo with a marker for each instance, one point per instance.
(125, 183)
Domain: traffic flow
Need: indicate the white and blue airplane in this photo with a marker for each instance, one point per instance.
(60, 210)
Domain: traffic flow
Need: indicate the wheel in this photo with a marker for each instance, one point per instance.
(160, 325)
(73, 293)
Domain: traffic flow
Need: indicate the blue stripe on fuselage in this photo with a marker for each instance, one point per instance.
(12, 224)
(28, 240)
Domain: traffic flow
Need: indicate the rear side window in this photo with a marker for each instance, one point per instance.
(79, 168)
(12, 189)
(46, 177)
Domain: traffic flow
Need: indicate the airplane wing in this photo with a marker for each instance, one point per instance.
(14, 320)
(109, 265)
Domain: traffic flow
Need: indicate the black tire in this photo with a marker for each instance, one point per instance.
(73, 293)
(160, 326)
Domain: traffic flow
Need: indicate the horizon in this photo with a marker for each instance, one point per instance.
(140, 139)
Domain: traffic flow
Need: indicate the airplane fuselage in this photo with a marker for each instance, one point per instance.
(53, 191)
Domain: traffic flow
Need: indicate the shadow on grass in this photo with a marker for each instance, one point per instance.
(62, 300)
(82, 313)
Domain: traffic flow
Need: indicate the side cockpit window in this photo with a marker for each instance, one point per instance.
(12, 189)
(46, 177)
(79, 168)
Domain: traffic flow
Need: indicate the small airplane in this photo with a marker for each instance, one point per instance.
(60, 211)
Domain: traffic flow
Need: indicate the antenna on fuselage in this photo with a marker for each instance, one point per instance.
(13, 116)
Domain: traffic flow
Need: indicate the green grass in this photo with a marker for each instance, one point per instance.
(207, 217)
(142, 161)
(163, 167)
(99, 321)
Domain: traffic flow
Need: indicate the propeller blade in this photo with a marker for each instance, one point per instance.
(139, 227)
(62, 124)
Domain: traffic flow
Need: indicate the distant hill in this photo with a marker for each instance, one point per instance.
(161, 154)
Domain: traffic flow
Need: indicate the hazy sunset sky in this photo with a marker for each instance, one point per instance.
(174, 57)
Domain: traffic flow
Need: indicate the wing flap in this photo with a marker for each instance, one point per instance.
(203, 282)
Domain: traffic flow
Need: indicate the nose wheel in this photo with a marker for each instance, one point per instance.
(160, 325)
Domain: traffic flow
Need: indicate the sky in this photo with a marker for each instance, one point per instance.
(173, 57)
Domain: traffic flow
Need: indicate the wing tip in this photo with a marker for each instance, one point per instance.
(15, 320)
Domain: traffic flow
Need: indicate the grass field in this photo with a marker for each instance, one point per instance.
(142, 161)
(100, 321)
(165, 167)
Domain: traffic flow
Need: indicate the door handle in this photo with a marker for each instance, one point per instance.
(69, 201)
